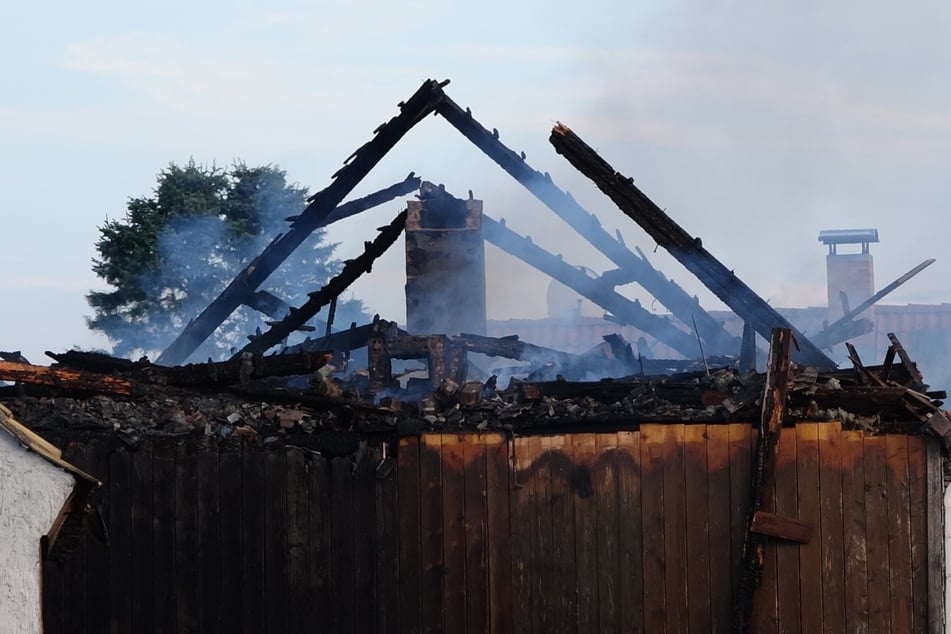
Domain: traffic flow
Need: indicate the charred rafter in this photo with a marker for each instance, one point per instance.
(686, 308)
(322, 205)
(688, 250)
(847, 326)
(351, 271)
(194, 375)
(598, 292)
(320, 212)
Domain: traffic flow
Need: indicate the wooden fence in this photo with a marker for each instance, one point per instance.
(630, 531)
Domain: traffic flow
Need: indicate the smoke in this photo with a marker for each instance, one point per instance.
(200, 255)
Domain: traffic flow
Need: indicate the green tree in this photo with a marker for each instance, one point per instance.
(175, 251)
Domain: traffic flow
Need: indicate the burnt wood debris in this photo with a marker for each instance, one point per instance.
(310, 395)
(555, 392)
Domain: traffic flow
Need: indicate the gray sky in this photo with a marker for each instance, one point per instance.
(755, 125)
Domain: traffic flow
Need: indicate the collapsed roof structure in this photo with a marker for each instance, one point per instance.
(446, 356)
(250, 399)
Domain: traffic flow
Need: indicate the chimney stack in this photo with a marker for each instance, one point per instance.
(851, 276)
(445, 264)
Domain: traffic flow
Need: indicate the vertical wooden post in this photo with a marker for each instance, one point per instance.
(771, 422)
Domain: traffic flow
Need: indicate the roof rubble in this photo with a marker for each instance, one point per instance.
(323, 403)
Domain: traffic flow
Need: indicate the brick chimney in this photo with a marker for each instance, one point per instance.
(851, 276)
(445, 264)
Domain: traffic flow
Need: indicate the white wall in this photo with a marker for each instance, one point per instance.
(32, 492)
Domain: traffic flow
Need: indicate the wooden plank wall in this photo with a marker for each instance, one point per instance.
(611, 532)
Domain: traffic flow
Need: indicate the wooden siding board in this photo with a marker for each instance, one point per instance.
(53, 597)
(764, 617)
(831, 532)
(563, 580)
(918, 528)
(586, 536)
(652, 528)
(120, 541)
(697, 527)
(275, 540)
(475, 514)
(606, 506)
(787, 554)
(519, 499)
(364, 532)
(230, 554)
(899, 541)
(431, 522)
(810, 555)
(876, 534)
(320, 497)
(209, 555)
(300, 581)
(741, 464)
(454, 534)
(185, 539)
(407, 458)
(252, 540)
(854, 523)
(537, 483)
(630, 563)
(342, 579)
(721, 562)
(97, 552)
(74, 567)
(163, 534)
(675, 530)
(387, 538)
(936, 529)
(499, 534)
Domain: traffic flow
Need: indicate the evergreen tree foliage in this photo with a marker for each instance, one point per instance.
(174, 252)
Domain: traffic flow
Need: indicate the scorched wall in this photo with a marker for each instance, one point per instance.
(636, 530)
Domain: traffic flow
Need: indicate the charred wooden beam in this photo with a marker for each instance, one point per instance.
(846, 326)
(512, 348)
(748, 349)
(352, 269)
(352, 338)
(771, 422)
(601, 294)
(195, 375)
(64, 378)
(322, 205)
(688, 250)
(909, 365)
(679, 302)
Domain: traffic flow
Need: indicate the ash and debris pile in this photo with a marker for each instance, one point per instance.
(313, 400)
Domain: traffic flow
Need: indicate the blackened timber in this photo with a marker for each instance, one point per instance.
(69, 380)
(601, 294)
(196, 375)
(764, 471)
(839, 330)
(667, 292)
(910, 367)
(343, 341)
(322, 205)
(351, 271)
(688, 250)
(512, 348)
